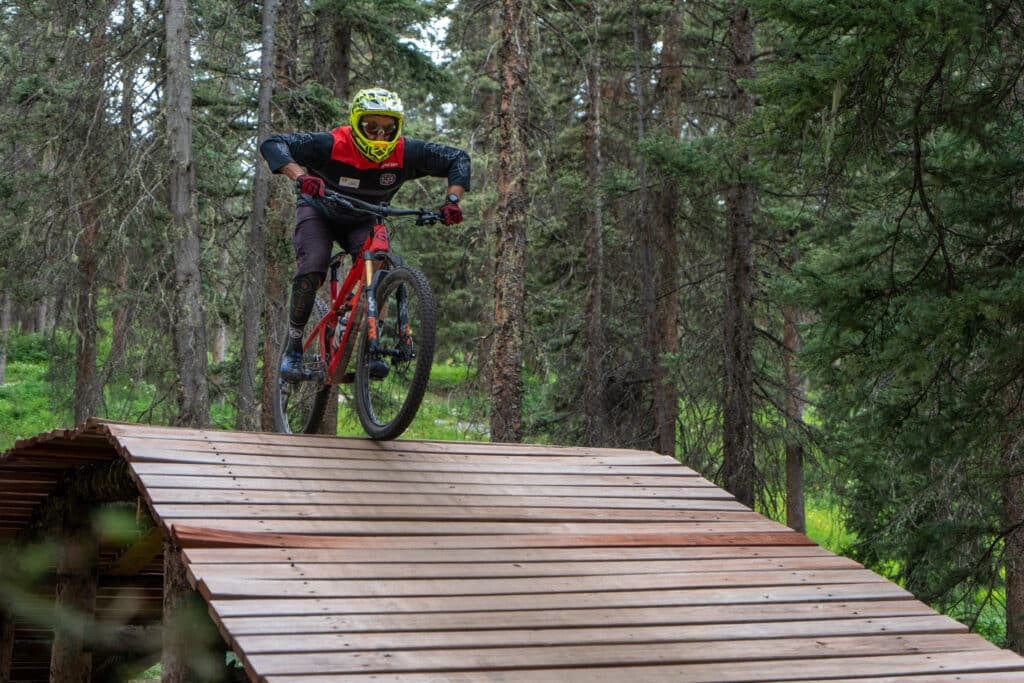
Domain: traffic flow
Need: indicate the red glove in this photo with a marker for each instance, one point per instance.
(311, 185)
(450, 213)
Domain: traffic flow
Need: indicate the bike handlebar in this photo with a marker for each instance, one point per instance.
(423, 216)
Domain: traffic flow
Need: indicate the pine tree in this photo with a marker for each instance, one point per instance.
(911, 272)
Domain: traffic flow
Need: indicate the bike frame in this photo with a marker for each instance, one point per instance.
(358, 283)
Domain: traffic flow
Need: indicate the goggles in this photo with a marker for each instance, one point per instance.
(373, 129)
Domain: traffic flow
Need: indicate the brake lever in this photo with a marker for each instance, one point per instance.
(428, 219)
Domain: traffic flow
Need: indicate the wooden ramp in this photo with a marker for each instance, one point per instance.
(329, 559)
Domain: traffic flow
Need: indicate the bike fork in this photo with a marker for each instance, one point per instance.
(372, 334)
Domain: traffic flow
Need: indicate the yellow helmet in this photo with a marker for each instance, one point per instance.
(380, 102)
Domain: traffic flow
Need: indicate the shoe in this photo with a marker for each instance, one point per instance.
(291, 368)
(378, 369)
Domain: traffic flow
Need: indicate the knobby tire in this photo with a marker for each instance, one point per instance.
(387, 406)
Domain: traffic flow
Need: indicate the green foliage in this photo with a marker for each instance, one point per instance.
(28, 348)
(25, 408)
(903, 112)
(312, 107)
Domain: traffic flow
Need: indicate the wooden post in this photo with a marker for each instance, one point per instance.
(193, 649)
(6, 645)
(77, 580)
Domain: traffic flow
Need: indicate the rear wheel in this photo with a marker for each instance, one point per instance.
(299, 406)
(391, 380)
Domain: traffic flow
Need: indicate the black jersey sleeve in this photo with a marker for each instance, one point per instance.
(441, 161)
(306, 149)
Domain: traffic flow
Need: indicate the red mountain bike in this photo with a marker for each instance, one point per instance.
(383, 311)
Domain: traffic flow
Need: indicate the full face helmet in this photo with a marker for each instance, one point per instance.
(379, 102)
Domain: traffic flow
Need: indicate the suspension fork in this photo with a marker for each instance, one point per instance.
(370, 284)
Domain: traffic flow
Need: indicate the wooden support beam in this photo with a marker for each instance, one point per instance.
(6, 645)
(101, 483)
(139, 555)
(77, 584)
(193, 649)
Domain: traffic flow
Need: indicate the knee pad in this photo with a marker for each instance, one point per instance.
(303, 294)
(309, 281)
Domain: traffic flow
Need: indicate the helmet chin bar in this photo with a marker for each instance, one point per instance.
(377, 150)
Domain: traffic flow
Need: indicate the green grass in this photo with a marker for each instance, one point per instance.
(826, 528)
(448, 413)
(25, 408)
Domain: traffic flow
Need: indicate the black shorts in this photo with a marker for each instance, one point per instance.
(315, 236)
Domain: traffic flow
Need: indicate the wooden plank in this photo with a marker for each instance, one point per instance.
(192, 451)
(740, 613)
(412, 556)
(213, 436)
(472, 528)
(193, 536)
(559, 635)
(399, 473)
(733, 595)
(933, 667)
(511, 512)
(220, 587)
(959, 677)
(607, 655)
(364, 486)
(16, 476)
(163, 496)
(394, 570)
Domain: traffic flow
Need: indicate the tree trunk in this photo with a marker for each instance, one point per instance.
(666, 242)
(275, 310)
(190, 640)
(795, 403)
(1013, 512)
(256, 273)
(86, 326)
(87, 383)
(510, 255)
(329, 423)
(5, 332)
(119, 318)
(120, 312)
(38, 323)
(190, 329)
(332, 61)
(738, 412)
(342, 67)
(595, 348)
(77, 584)
(280, 219)
(335, 61)
(646, 232)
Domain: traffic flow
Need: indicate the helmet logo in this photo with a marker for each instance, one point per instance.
(388, 179)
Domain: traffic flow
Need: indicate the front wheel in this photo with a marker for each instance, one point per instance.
(391, 378)
(299, 406)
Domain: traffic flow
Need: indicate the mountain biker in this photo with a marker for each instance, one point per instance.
(368, 159)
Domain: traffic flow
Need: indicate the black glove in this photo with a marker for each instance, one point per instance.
(450, 213)
(311, 185)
